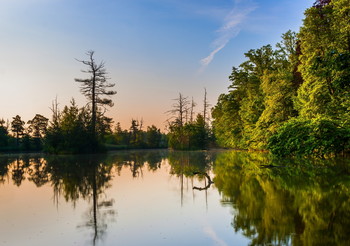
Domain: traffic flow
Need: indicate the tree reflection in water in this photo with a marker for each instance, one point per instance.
(80, 177)
(72, 177)
(304, 202)
(190, 164)
(300, 202)
(85, 177)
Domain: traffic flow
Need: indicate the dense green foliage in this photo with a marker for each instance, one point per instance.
(313, 137)
(70, 132)
(294, 99)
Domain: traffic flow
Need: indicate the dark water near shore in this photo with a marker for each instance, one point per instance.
(173, 198)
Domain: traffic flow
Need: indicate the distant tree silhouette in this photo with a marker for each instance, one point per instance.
(17, 127)
(3, 133)
(38, 126)
(95, 87)
(37, 129)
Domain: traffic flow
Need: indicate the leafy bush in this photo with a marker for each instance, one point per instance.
(318, 137)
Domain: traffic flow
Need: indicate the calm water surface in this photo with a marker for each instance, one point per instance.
(173, 198)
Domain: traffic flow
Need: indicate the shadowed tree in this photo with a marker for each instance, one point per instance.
(38, 126)
(95, 87)
(17, 127)
(3, 133)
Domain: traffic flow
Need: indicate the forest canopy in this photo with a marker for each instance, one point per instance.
(294, 98)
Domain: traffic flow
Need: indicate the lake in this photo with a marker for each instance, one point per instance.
(173, 198)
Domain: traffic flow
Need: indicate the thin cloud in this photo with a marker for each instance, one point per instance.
(211, 233)
(205, 61)
(230, 29)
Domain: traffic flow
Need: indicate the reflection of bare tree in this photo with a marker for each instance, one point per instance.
(189, 164)
(206, 185)
(81, 177)
(85, 177)
(98, 214)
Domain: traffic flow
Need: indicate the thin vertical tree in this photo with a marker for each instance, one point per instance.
(96, 87)
(206, 106)
(193, 104)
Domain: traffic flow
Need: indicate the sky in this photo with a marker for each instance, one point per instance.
(153, 50)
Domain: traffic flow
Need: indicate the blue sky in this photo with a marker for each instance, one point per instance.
(153, 49)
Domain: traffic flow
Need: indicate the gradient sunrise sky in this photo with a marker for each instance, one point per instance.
(153, 50)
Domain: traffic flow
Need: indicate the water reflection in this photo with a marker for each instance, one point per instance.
(187, 165)
(72, 177)
(289, 202)
(303, 202)
(85, 177)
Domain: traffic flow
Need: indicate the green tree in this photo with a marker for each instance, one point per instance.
(325, 47)
(279, 85)
(227, 123)
(153, 137)
(71, 133)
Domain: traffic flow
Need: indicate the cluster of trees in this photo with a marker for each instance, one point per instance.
(136, 137)
(303, 85)
(69, 132)
(24, 137)
(187, 132)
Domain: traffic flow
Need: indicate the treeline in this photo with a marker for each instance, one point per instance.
(293, 99)
(136, 137)
(25, 136)
(69, 131)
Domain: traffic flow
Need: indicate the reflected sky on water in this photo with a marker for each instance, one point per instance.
(173, 198)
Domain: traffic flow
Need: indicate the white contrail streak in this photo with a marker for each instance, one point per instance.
(230, 29)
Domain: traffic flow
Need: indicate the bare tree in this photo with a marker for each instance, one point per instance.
(56, 114)
(206, 105)
(193, 104)
(180, 108)
(95, 87)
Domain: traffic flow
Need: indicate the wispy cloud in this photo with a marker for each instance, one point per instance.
(230, 28)
(211, 233)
